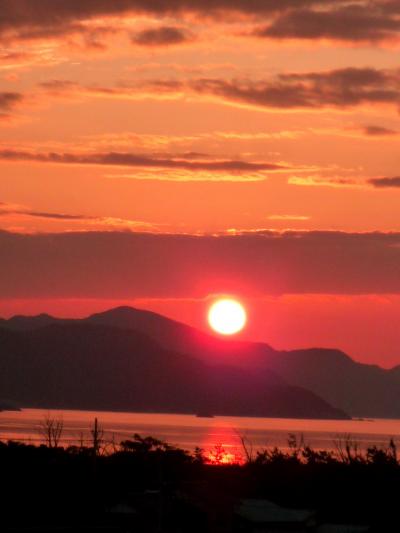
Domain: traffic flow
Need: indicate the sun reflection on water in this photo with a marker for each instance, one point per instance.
(219, 456)
(222, 446)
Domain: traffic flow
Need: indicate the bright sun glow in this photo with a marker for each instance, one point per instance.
(227, 316)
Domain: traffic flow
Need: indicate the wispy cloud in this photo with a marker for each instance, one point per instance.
(9, 101)
(379, 131)
(16, 209)
(360, 20)
(288, 217)
(142, 161)
(339, 88)
(336, 88)
(16, 214)
(385, 183)
(185, 176)
(353, 22)
(322, 181)
(162, 36)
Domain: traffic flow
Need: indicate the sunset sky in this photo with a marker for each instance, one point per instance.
(157, 153)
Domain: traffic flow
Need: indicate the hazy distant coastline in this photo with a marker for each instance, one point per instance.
(131, 360)
(127, 359)
(189, 431)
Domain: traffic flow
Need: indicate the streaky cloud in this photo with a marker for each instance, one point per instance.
(162, 36)
(362, 22)
(354, 22)
(379, 131)
(385, 183)
(337, 88)
(139, 160)
(8, 102)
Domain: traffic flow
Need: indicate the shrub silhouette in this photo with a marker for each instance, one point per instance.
(59, 485)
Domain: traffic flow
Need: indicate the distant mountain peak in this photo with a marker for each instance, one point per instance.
(126, 311)
(31, 317)
(331, 354)
(356, 388)
(29, 322)
(122, 309)
(98, 366)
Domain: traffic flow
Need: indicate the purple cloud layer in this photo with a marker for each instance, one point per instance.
(138, 161)
(344, 88)
(128, 265)
(362, 20)
(385, 183)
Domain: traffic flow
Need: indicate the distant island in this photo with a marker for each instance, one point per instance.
(8, 406)
(136, 360)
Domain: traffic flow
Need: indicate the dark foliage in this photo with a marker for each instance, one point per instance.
(162, 488)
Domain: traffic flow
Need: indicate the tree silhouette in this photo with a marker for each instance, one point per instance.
(51, 429)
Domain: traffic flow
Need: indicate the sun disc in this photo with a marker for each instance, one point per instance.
(227, 316)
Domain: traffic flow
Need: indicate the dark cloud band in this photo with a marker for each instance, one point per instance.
(366, 21)
(150, 265)
(385, 183)
(331, 88)
(338, 88)
(360, 20)
(162, 36)
(138, 161)
(8, 102)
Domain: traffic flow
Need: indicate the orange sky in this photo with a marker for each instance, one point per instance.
(209, 118)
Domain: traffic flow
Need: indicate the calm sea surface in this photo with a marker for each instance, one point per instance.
(187, 431)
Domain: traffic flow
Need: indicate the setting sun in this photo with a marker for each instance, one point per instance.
(227, 316)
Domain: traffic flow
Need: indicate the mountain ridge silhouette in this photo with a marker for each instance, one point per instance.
(355, 388)
(86, 366)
